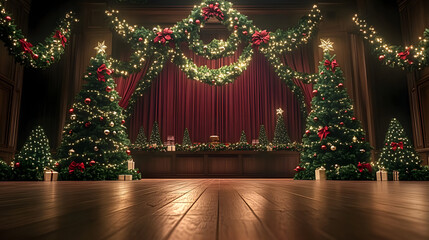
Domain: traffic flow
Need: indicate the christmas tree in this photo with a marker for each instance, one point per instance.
(5, 171)
(280, 134)
(398, 153)
(141, 140)
(243, 138)
(333, 136)
(95, 144)
(186, 138)
(155, 136)
(34, 157)
(263, 139)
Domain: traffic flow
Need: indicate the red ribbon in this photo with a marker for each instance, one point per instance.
(26, 47)
(100, 73)
(331, 65)
(163, 36)
(59, 35)
(260, 37)
(395, 145)
(299, 169)
(73, 166)
(213, 10)
(323, 132)
(403, 55)
(362, 166)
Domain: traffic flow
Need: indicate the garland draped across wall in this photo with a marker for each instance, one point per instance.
(407, 58)
(161, 44)
(40, 55)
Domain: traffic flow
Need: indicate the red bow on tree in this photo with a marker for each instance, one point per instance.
(403, 55)
(59, 35)
(73, 166)
(100, 71)
(212, 10)
(395, 145)
(163, 36)
(26, 47)
(362, 166)
(299, 169)
(260, 37)
(323, 132)
(331, 65)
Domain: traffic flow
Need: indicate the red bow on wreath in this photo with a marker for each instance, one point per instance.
(26, 47)
(163, 36)
(59, 35)
(212, 10)
(100, 71)
(299, 169)
(395, 145)
(74, 165)
(331, 65)
(403, 55)
(323, 132)
(362, 166)
(260, 37)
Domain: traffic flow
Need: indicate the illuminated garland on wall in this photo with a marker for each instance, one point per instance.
(409, 57)
(41, 55)
(165, 43)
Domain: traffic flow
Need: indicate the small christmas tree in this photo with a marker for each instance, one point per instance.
(186, 138)
(263, 139)
(34, 157)
(5, 171)
(141, 140)
(155, 136)
(398, 153)
(280, 134)
(243, 138)
(95, 143)
(333, 137)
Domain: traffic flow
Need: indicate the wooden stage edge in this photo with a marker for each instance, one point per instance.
(224, 164)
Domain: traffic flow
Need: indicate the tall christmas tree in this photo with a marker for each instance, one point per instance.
(243, 138)
(34, 157)
(280, 133)
(95, 144)
(186, 138)
(333, 135)
(263, 139)
(141, 140)
(155, 136)
(398, 153)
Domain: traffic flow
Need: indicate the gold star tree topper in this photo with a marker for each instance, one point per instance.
(279, 111)
(101, 48)
(326, 45)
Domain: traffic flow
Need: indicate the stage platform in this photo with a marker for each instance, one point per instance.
(222, 164)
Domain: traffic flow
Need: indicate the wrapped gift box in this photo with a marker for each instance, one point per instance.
(269, 148)
(395, 175)
(50, 175)
(255, 142)
(214, 139)
(382, 175)
(131, 164)
(171, 148)
(125, 177)
(320, 174)
(170, 140)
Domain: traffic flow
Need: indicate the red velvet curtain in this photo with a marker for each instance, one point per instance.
(176, 102)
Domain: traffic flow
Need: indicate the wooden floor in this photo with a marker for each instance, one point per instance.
(214, 209)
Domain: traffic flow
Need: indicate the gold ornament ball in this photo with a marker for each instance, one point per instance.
(362, 150)
(71, 151)
(114, 132)
(96, 148)
(73, 117)
(112, 98)
(333, 148)
(106, 132)
(111, 124)
(354, 139)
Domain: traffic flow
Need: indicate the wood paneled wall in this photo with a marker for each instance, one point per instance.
(11, 85)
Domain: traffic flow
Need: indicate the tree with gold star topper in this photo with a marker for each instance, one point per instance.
(95, 142)
(333, 137)
(281, 136)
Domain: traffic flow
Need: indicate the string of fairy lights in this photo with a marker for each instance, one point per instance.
(41, 55)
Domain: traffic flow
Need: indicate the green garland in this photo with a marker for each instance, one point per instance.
(41, 55)
(407, 58)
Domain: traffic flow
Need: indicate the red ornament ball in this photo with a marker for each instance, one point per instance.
(315, 155)
(345, 111)
(198, 22)
(315, 118)
(71, 110)
(340, 85)
(87, 124)
(323, 98)
(341, 123)
(128, 152)
(92, 162)
(307, 132)
(8, 18)
(236, 18)
(17, 164)
(87, 100)
(304, 34)
(52, 58)
(101, 119)
(108, 89)
(70, 132)
(235, 27)
(140, 39)
(123, 121)
(351, 146)
(323, 147)
(363, 139)
(35, 56)
(315, 92)
(353, 118)
(244, 32)
(57, 164)
(381, 57)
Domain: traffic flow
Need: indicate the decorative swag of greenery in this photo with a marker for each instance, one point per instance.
(41, 55)
(159, 45)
